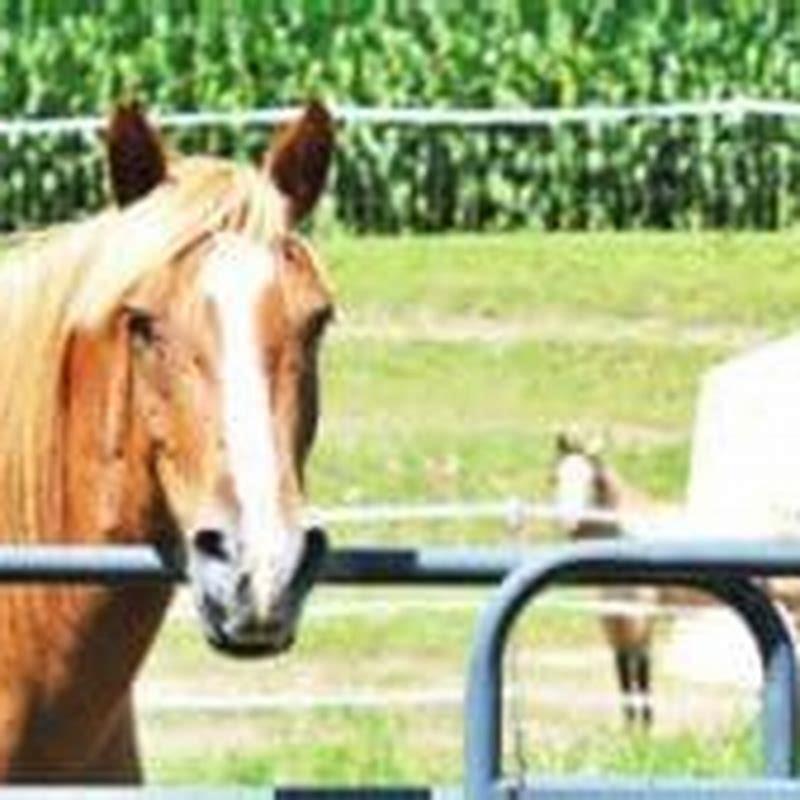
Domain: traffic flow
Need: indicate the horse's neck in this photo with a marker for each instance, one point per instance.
(68, 661)
(609, 494)
(69, 657)
(96, 637)
(610, 489)
(624, 496)
(109, 499)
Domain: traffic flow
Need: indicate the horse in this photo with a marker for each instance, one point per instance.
(583, 481)
(158, 385)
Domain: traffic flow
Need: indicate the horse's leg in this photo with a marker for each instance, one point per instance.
(117, 760)
(643, 685)
(622, 658)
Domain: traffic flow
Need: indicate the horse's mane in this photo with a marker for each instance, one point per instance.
(73, 278)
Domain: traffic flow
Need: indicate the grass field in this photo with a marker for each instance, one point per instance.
(453, 362)
(456, 358)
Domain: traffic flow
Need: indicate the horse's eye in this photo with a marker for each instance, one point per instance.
(141, 326)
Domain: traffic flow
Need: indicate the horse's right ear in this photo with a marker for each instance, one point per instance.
(595, 446)
(566, 443)
(137, 162)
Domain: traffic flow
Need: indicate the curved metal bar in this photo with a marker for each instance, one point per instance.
(773, 636)
(618, 562)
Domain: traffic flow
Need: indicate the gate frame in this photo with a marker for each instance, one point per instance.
(726, 569)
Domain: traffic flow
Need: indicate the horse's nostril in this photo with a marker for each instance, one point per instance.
(211, 543)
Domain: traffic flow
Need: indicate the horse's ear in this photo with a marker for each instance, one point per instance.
(562, 443)
(596, 446)
(299, 159)
(568, 442)
(137, 162)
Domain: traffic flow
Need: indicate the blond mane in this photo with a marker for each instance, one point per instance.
(73, 279)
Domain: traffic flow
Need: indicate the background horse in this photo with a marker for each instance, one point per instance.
(584, 481)
(157, 385)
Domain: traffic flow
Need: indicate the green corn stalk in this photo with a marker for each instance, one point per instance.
(207, 54)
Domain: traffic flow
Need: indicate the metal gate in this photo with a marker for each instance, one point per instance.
(728, 570)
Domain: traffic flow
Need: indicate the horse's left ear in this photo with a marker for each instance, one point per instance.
(299, 159)
(137, 162)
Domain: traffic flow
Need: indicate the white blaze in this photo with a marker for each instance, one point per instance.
(574, 487)
(234, 277)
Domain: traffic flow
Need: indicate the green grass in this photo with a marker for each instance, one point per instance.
(339, 641)
(742, 278)
(734, 753)
(612, 331)
(416, 651)
(375, 748)
(339, 747)
(454, 361)
(466, 388)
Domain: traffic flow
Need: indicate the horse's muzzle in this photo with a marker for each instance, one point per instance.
(227, 601)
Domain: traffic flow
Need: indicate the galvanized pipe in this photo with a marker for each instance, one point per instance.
(775, 642)
(391, 565)
(722, 569)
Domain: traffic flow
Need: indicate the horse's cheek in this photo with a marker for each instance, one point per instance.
(150, 414)
(179, 490)
(187, 462)
(201, 412)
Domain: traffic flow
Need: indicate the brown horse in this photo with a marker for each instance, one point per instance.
(157, 385)
(583, 482)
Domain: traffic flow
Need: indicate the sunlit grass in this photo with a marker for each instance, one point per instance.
(382, 748)
(740, 277)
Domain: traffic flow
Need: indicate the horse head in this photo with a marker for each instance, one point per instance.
(214, 357)
(580, 479)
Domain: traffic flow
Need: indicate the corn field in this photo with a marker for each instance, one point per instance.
(68, 58)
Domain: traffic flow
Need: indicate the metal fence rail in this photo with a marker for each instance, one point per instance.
(512, 512)
(713, 163)
(733, 108)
